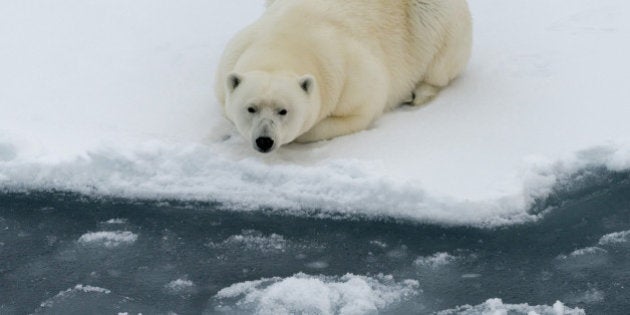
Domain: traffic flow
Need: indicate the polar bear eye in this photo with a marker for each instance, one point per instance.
(251, 109)
(283, 112)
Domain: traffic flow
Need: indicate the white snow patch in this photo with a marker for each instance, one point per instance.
(179, 285)
(254, 240)
(588, 251)
(116, 221)
(118, 101)
(109, 239)
(615, 238)
(434, 261)
(497, 307)
(78, 288)
(89, 288)
(306, 294)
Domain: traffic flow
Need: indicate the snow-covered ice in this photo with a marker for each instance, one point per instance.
(305, 294)
(254, 240)
(86, 299)
(588, 251)
(118, 100)
(79, 288)
(434, 261)
(116, 221)
(497, 307)
(615, 238)
(179, 286)
(109, 239)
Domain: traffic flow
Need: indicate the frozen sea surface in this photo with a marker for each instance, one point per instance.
(190, 258)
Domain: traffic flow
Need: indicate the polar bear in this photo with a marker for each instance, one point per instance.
(309, 70)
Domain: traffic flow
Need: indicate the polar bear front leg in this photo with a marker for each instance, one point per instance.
(364, 98)
(335, 126)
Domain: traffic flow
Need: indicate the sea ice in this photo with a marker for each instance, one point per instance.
(109, 239)
(306, 294)
(497, 307)
(615, 238)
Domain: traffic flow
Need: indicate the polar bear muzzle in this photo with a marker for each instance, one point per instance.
(264, 144)
(264, 136)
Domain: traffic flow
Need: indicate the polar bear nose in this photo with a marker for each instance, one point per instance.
(264, 144)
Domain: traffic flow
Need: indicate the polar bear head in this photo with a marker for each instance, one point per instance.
(271, 109)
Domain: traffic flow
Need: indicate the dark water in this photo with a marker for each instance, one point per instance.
(40, 254)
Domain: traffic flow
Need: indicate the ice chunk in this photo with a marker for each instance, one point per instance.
(301, 293)
(86, 299)
(79, 288)
(116, 221)
(109, 239)
(588, 251)
(588, 257)
(615, 238)
(254, 240)
(434, 261)
(497, 307)
(179, 286)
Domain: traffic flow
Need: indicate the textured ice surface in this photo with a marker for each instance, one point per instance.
(85, 299)
(253, 240)
(615, 238)
(109, 239)
(588, 251)
(434, 261)
(180, 286)
(78, 289)
(304, 294)
(497, 307)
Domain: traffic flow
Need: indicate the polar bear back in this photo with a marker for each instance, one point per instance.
(406, 36)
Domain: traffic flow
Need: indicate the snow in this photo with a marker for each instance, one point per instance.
(306, 294)
(588, 251)
(497, 307)
(254, 240)
(86, 299)
(435, 261)
(115, 98)
(108, 239)
(79, 288)
(116, 221)
(179, 286)
(615, 238)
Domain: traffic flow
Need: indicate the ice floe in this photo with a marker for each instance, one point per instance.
(305, 294)
(109, 239)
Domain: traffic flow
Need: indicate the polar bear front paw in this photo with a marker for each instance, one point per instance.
(423, 94)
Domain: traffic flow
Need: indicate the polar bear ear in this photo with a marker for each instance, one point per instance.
(307, 83)
(233, 81)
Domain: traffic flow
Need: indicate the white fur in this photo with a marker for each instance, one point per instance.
(363, 56)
